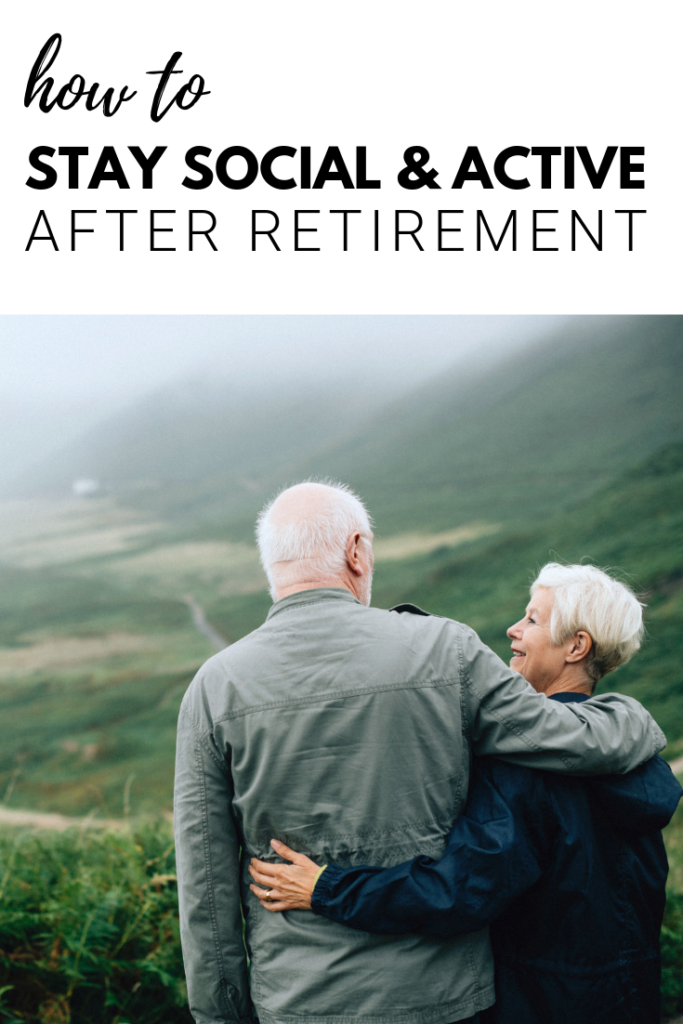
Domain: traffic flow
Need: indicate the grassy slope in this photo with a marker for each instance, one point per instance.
(72, 735)
(541, 432)
(194, 450)
(545, 428)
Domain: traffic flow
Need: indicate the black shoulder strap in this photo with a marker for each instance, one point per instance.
(412, 608)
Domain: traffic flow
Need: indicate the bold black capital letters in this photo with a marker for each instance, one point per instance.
(597, 176)
(626, 168)
(50, 174)
(205, 173)
(222, 167)
(332, 168)
(267, 167)
(472, 158)
(546, 154)
(148, 163)
(108, 159)
(73, 153)
(362, 180)
(500, 171)
(305, 167)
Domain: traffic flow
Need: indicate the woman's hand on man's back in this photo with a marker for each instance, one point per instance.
(284, 886)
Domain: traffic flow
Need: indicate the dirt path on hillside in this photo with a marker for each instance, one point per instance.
(203, 625)
(677, 768)
(60, 822)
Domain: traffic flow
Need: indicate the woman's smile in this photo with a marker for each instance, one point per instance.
(533, 654)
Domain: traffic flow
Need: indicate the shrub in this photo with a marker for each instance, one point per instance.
(672, 956)
(89, 928)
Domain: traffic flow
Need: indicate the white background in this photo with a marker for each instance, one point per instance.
(386, 75)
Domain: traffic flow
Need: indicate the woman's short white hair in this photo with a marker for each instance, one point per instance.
(303, 531)
(589, 599)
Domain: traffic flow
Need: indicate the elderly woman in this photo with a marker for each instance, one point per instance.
(570, 872)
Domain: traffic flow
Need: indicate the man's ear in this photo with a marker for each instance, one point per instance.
(352, 556)
(579, 647)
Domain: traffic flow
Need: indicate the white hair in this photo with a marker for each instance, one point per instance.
(303, 532)
(589, 599)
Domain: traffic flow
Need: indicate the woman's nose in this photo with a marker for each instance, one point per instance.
(514, 629)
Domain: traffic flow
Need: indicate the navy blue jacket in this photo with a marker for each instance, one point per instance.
(571, 871)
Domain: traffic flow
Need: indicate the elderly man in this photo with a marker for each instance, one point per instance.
(346, 732)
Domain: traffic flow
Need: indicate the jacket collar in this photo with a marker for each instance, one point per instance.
(312, 596)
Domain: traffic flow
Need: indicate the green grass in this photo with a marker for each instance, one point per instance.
(672, 931)
(61, 602)
(73, 748)
(89, 928)
(73, 734)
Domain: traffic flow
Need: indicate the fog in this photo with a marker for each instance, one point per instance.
(60, 375)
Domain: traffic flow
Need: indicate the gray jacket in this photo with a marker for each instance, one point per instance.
(347, 732)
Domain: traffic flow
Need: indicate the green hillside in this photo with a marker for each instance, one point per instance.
(202, 448)
(544, 430)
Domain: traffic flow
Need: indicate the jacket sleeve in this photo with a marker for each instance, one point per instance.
(491, 858)
(208, 855)
(508, 718)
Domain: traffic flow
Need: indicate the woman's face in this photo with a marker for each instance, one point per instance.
(533, 654)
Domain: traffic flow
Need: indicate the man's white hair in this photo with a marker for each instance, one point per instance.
(302, 533)
(589, 599)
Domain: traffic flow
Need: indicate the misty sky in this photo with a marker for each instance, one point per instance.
(59, 375)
